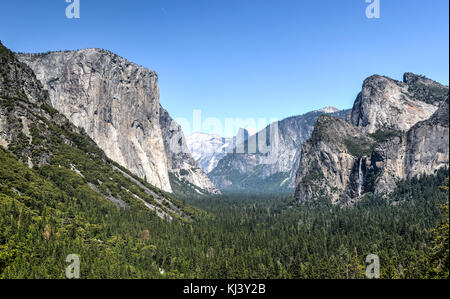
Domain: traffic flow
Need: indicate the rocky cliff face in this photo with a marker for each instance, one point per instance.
(397, 130)
(330, 161)
(421, 150)
(117, 103)
(269, 166)
(389, 104)
(38, 135)
(181, 164)
(428, 144)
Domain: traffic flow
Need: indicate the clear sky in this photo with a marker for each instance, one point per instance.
(246, 58)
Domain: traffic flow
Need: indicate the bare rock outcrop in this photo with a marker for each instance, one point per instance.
(34, 132)
(385, 103)
(180, 162)
(332, 161)
(421, 150)
(398, 130)
(117, 103)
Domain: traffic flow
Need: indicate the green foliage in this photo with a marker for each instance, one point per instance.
(255, 184)
(50, 110)
(49, 212)
(65, 205)
(430, 94)
(439, 249)
(385, 134)
(7, 102)
(184, 172)
(61, 207)
(314, 175)
(358, 147)
(439, 252)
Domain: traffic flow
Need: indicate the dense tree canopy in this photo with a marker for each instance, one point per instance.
(46, 214)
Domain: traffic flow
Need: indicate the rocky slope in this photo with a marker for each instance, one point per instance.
(117, 103)
(270, 166)
(32, 131)
(390, 104)
(421, 150)
(181, 164)
(397, 130)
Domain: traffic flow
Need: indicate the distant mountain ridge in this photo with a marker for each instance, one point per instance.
(209, 149)
(273, 170)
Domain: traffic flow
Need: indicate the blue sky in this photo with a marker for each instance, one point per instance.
(246, 58)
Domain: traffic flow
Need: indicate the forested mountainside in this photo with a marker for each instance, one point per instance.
(117, 103)
(398, 130)
(53, 173)
(43, 220)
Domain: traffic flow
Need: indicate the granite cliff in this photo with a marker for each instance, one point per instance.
(60, 153)
(117, 103)
(397, 130)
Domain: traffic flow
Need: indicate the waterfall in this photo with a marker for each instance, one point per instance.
(360, 177)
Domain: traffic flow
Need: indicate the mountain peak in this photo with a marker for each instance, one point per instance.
(328, 109)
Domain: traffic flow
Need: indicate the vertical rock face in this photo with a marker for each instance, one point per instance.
(428, 144)
(421, 150)
(180, 162)
(389, 104)
(425, 146)
(209, 149)
(36, 133)
(397, 131)
(331, 161)
(117, 103)
(114, 101)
